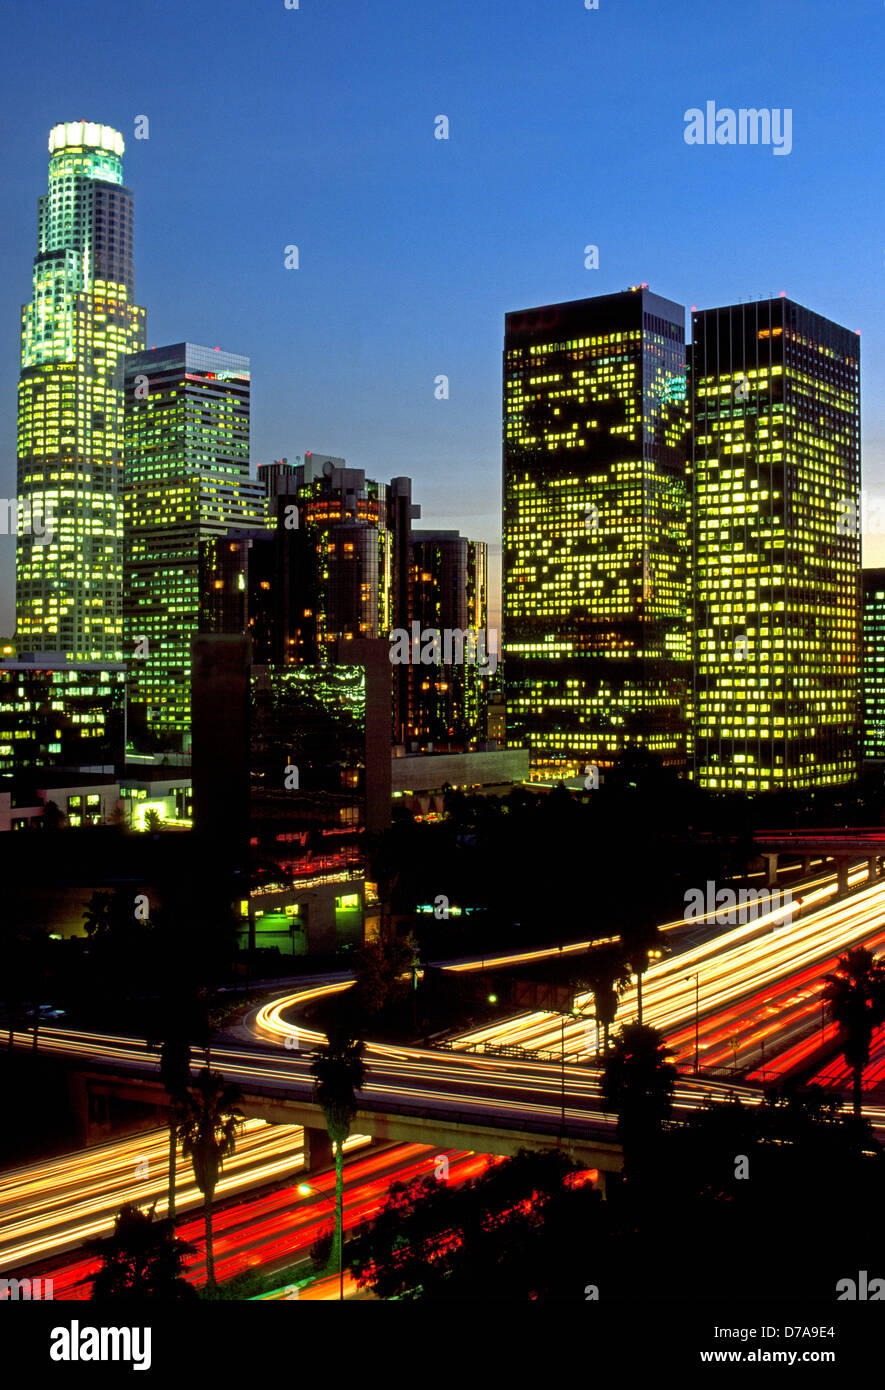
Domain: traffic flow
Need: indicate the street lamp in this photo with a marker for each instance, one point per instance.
(697, 1014)
(573, 1012)
(649, 957)
(305, 1190)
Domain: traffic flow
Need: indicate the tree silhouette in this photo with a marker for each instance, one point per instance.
(338, 1068)
(141, 1258)
(607, 973)
(381, 968)
(177, 1025)
(855, 992)
(208, 1131)
(508, 1234)
(638, 1085)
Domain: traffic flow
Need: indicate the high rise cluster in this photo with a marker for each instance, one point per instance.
(145, 525)
(681, 539)
(680, 522)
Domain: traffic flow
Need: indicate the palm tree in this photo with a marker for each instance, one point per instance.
(175, 1074)
(607, 973)
(105, 914)
(640, 937)
(855, 992)
(338, 1068)
(141, 1258)
(638, 1084)
(207, 1130)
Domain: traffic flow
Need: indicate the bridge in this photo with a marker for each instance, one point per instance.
(443, 1099)
(844, 845)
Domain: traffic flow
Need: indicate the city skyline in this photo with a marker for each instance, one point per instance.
(342, 357)
(442, 674)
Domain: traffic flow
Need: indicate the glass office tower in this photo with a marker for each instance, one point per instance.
(449, 591)
(874, 664)
(79, 324)
(186, 479)
(776, 479)
(596, 641)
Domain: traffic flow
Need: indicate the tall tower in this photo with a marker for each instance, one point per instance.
(186, 480)
(873, 664)
(596, 642)
(448, 592)
(347, 550)
(776, 478)
(80, 323)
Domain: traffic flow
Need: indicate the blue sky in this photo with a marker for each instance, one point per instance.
(315, 126)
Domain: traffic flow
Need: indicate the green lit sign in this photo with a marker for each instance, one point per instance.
(675, 390)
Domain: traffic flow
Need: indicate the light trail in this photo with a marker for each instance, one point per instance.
(60, 1202)
(278, 1228)
(739, 970)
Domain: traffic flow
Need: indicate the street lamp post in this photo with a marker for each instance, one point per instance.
(649, 957)
(562, 1063)
(305, 1190)
(697, 1017)
(573, 1012)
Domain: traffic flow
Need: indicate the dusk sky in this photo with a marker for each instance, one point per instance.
(315, 127)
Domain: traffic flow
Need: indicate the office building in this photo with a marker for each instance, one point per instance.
(596, 639)
(449, 592)
(186, 480)
(61, 715)
(873, 682)
(776, 489)
(79, 324)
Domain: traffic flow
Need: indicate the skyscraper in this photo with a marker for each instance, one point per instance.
(339, 562)
(873, 664)
(186, 478)
(79, 324)
(449, 592)
(595, 559)
(347, 555)
(776, 483)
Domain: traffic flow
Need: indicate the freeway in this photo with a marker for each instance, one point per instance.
(275, 1229)
(758, 980)
(738, 967)
(58, 1203)
(761, 978)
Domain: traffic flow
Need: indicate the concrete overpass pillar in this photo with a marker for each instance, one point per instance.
(319, 912)
(78, 1095)
(770, 868)
(317, 1150)
(842, 874)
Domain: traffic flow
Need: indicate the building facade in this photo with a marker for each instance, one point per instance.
(873, 683)
(186, 480)
(776, 547)
(80, 323)
(596, 591)
(61, 715)
(449, 592)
